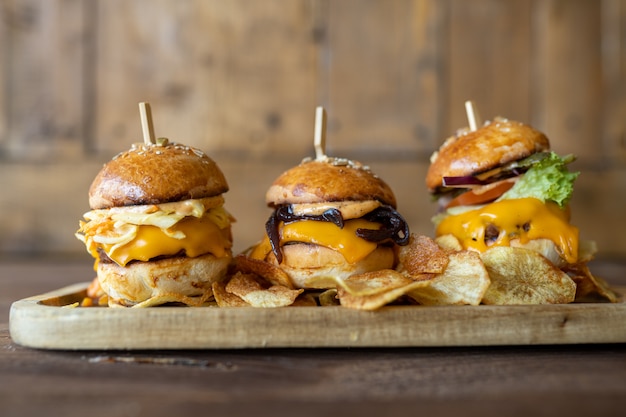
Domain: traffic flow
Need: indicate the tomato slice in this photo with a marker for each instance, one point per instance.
(482, 195)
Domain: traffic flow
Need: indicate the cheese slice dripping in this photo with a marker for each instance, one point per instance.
(327, 234)
(196, 227)
(202, 236)
(524, 219)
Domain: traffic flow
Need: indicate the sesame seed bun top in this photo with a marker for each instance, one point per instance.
(330, 180)
(155, 174)
(473, 152)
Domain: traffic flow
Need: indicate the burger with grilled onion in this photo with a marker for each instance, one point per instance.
(332, 218)
(157, 228)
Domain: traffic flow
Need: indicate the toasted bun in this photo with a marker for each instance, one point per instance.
(156, 174)
(328, 181)
(314, 266)
(180, 279)
(492, 145)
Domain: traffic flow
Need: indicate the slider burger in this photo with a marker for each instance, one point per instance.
(158, 229)
(332, 218)
(500, 185)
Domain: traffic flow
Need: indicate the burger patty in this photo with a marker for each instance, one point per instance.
(104, 258)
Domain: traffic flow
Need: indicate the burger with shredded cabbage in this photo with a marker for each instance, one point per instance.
(332, 218)
(157, 228)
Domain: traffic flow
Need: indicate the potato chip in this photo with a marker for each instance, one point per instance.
(374, 282)
(161, 299)
(328, 298)
(378, 294)
(268, 271)
(464, 281)
(254, 291)
(590, 288)
(103, 301)
(94, 290)
(449, 242)
(96, 297)
(305, 300)
(226, 299)
(545, 247)
(587, 249)
(522, 276)
(422, 256)
(323, 282)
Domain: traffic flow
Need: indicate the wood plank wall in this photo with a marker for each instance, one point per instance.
(241, 79)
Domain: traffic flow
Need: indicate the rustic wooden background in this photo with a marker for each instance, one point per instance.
(241, 79)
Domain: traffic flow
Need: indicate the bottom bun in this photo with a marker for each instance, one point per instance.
(144, 284)
(313, 266)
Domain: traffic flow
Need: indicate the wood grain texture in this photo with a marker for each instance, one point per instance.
(232, 76)
(4, 75)
(43, 322)
(42, 204)
(384, 78)
(241, 79)
(614, 83)
(569, 380)
(573, 380)
(489, 60)
(43, 86)
(568, 76)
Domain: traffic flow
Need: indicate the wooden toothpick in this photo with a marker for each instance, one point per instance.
(146, 123)
(472, 115)
(319, 139)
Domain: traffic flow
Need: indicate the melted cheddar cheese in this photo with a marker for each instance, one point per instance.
(344, 240)
(524, 219)
(202, 236)
(141, 233)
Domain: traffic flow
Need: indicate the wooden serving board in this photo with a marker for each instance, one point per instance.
(41, 322)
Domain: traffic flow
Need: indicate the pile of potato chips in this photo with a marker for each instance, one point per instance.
(430, 272)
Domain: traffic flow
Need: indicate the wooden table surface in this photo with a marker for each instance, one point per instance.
(514, 381)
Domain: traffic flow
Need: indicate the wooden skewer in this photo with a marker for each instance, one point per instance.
(472, 115)
(146, 123)
(319, 140)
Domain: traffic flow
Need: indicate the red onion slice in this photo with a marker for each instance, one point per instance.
(463, 181)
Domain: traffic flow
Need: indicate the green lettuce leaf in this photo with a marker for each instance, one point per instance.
(547, 180)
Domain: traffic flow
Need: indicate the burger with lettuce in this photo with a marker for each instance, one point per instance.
(501, 185)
